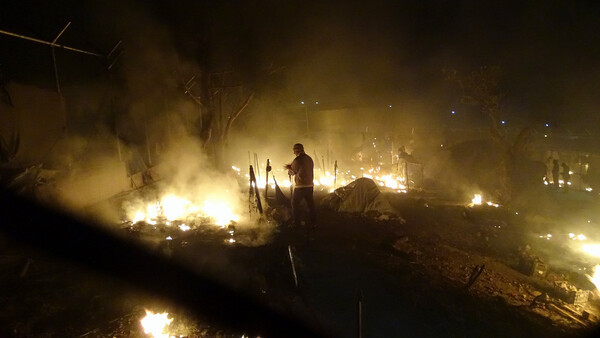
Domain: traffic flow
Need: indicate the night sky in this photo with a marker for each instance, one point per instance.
(341, 53)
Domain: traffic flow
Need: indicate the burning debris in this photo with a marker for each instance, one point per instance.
(155, 324)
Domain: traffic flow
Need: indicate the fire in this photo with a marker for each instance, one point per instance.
(220, 212)
(477, 199)
(175, 207)
(595, 278)
(326, 180)
(172, 208)
(155, 324)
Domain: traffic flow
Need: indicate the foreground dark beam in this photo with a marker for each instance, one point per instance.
(89, 245)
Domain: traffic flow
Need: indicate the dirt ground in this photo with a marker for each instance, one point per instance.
(444, 269)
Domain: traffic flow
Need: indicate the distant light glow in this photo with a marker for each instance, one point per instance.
(301, 102)
(390, 106)
(545, 135)
(316, 102)
(547, 125)
(503, 122)
(453, 112)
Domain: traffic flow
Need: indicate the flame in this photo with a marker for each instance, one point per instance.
(155, 324)
(220, 212)
(477, 199)
(175, 207)
(595, 278)
(172, 208)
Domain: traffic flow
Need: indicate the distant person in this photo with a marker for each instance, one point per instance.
(548, 175)
(566, 174)
(302, 169)
(555, 171)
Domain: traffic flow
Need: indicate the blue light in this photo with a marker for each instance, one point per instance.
(547, 125)
(453, 112)
(503, 122)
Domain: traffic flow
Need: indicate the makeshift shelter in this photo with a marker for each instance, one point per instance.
(360, 196)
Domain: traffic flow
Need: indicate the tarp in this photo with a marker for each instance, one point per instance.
(360, 196)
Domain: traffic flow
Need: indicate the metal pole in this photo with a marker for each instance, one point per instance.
(293, 266)
(406, 174)
(147, 142)
(118, 143)
(50, 43)
(62, 99)
(359, 314)
(268, 168)
(334, 174)
(306, 113)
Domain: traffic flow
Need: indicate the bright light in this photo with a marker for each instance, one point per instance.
(453, 112)
(390, 106)
(316, 102)
(503, 122)
(588, 189)
(547, 125)
(595, 278)
(155, 324)
(301, 102)
(592, 249)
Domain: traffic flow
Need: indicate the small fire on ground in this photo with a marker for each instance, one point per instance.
(325, 180)
(478, 200)
(171, 208)
(156, 324)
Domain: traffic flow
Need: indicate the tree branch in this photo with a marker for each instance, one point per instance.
(234, 116)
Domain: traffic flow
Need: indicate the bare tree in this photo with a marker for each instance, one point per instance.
(481, 88)
(223, 97)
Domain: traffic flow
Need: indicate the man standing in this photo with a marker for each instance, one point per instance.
(302, 170)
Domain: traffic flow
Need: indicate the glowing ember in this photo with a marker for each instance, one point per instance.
(596, 277)
(155, 324)
(477, 200)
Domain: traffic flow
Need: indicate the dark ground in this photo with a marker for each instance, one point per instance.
(411, 275)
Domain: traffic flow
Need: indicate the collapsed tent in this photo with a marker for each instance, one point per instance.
(360, 196)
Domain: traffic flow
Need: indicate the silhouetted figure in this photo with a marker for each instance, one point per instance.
(555, 171)
(302, 170)
(566, 175)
